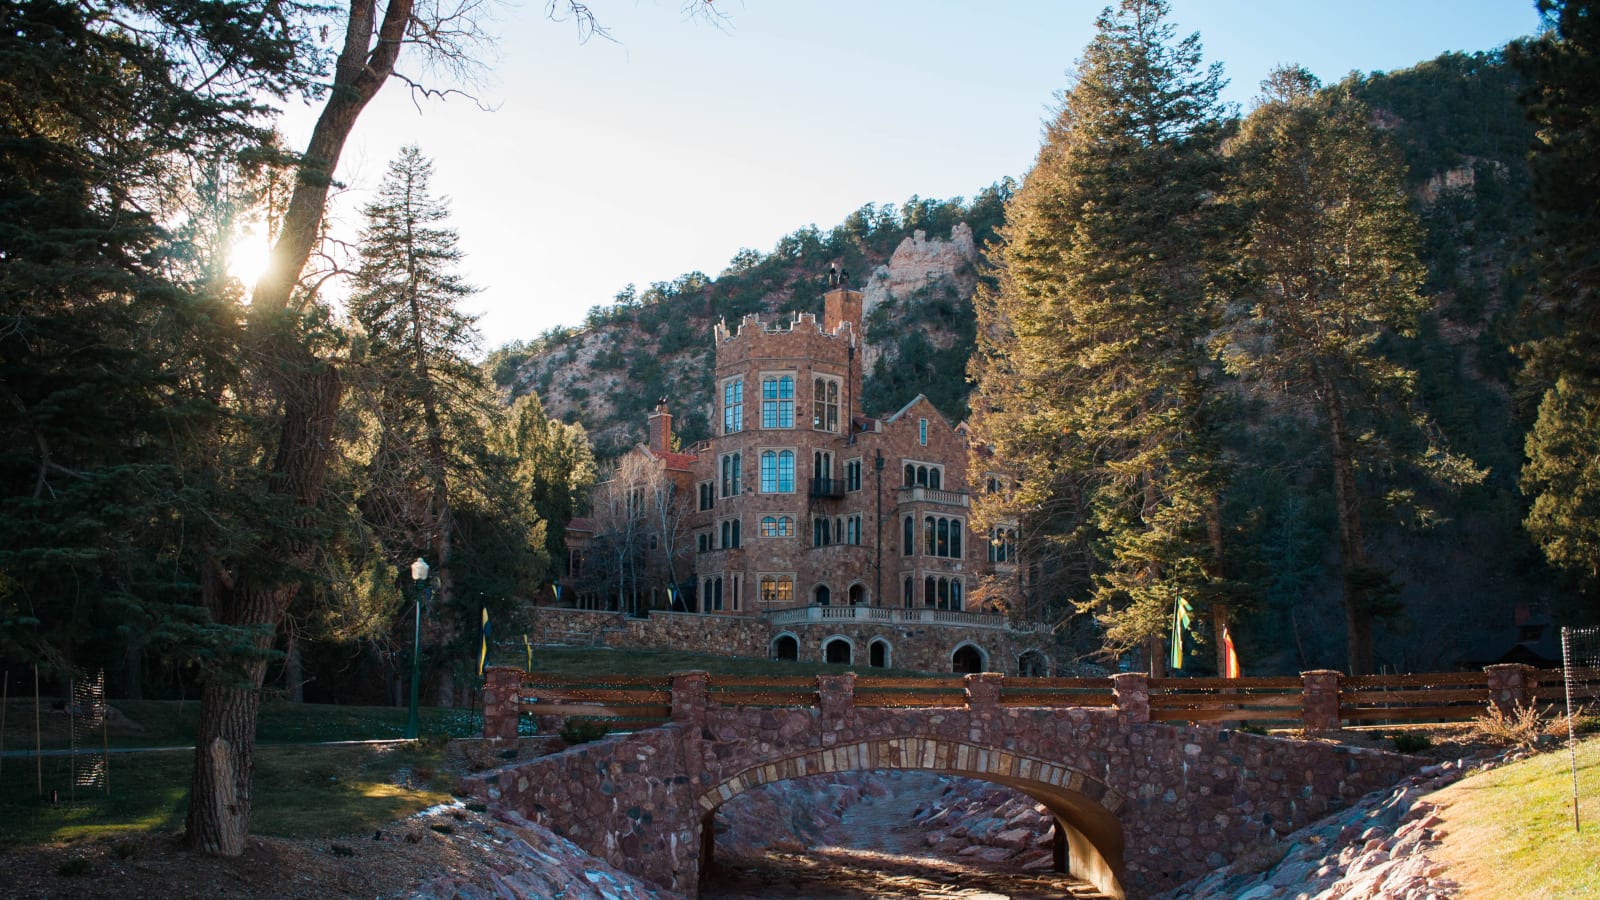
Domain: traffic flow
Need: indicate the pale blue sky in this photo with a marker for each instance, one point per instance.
(671, 148)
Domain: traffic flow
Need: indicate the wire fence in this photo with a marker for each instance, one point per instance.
(1580, 669)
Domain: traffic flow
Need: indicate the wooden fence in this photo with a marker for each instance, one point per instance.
(1315, 701)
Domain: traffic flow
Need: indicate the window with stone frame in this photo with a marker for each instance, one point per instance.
(942, 592)
(825, 404)
(734, 580)
(733, 406)
(777, 471)
(729, 530)
(922, 432)
(711, 596)
(923, 474)
(1002, 544)
(777, 590)
(732, 474)
(941, 537)
(777, 526)
(852, 529)
(852, 475)
(708, 494)
(777, 401)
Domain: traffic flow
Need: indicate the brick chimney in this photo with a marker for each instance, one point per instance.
(841, 305)
(660, 429)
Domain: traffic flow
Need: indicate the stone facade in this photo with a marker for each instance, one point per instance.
(1140, 807)
(800, 500)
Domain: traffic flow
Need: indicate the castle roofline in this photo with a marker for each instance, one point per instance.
(920, 398)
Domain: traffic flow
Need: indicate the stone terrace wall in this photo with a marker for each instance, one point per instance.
(920, 648)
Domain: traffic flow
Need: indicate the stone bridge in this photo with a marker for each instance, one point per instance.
(1139, 807)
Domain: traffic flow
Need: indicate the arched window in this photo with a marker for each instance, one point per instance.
(928, 591)
(769, 526)
(822, 595)
(785, 646)
(911, 475)
(785, 471)
(928, 542)
(955, 538)
(909, 593)
(943, 587)
(857, 594)
(955, 593)
(944, 538)
(934, 478)
(909, 540)
(922, 476)
(837, 651)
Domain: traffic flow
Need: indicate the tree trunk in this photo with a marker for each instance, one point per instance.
(1352, 545)
(293, 676)
(1219, 609)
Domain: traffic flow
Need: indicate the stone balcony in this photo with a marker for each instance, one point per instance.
(931, 495)
(894, 615)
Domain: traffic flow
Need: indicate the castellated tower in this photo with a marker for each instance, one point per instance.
(805, 501)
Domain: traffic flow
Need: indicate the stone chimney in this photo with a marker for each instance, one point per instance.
(841, 305)
(660, 429)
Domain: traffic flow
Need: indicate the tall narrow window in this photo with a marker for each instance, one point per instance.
(732, 406)
(911, 475)
(852, 475)
(825, 404)
(777, 401)
(922, 432)
(908, 541)
(777, 471)
(785, 471)
(708, 492)
(908, 593)
(732, 474)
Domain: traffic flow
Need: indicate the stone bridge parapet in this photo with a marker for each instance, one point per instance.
(1139, 807)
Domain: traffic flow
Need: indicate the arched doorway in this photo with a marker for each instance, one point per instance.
(878, 654)
(786, 646)
(838, 651)
(1033, 664)
(967, 660)
(858, 594)
(822, 596)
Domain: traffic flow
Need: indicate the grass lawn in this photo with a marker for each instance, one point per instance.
(299, 792)
(1509, 831)
(168, 723)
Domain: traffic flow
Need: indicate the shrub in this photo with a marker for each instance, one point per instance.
(1411, 742)
(1521, 727)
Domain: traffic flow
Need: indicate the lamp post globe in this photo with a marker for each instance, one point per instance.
(419, 577)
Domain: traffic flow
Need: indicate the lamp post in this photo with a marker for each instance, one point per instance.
(419, 576)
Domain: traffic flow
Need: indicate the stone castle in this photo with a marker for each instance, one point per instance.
(804, 529)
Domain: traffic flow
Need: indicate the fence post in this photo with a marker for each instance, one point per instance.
(1510, 686)
(836, 695)
(502, 702)
(983, 690)
(689, 697)
(1131, 692)
(1319, 700)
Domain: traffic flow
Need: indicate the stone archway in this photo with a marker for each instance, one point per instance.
(968, 658)
(879, 654)
(786, 646)
(838, 650)
(1033, 664)
(1089, 836)
(821, 596)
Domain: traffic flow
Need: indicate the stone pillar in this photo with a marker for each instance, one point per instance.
(689, 698)
(1319, 698)
(836, 695)
(502, 702)
(1510, 685)
(1131, 691)
(983, 690)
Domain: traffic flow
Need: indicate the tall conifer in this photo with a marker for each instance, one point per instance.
(1093, 380)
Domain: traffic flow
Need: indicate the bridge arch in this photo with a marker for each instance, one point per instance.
(1085, 808)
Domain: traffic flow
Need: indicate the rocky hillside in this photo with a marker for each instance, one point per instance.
(917, 267)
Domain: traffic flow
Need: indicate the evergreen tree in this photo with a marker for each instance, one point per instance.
(1329, 268)
(1092, 373)
(1563, 358)
(555, 468)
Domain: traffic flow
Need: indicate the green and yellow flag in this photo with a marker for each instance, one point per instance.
(1180, 621)
(483, 644)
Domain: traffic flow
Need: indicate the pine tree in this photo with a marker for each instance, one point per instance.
(1093, 379)
(428, 402)
(1329, 268)
(1563, 358)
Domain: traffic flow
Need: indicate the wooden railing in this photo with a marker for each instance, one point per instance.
(1227, 699)
(1314, 701)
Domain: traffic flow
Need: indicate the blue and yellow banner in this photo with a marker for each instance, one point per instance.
(483, 645)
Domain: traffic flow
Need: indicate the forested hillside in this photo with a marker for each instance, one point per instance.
(1459, 555)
